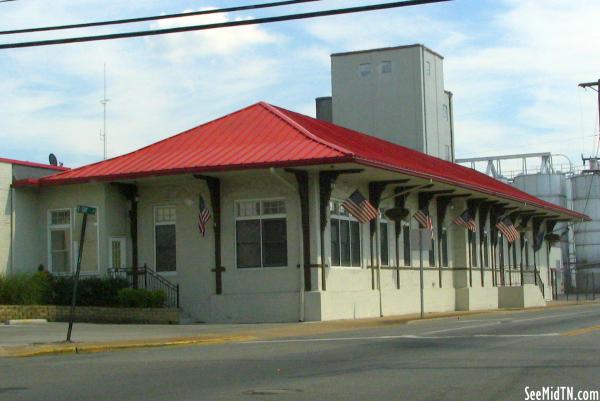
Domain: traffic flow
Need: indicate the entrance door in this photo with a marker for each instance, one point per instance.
(117, 255)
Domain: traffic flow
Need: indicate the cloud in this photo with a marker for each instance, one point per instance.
(157, 87)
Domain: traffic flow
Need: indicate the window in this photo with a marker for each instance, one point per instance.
(432, 253)
(261, 234)
(406, 244)
(364, 70)
(444, 246)
(385, 67)
(59, 239)
(526, 253)
(165, 239)
(427, 68)
(473, 247)
(445, 112)
(485, 250)
(384, 243)
(345, 237)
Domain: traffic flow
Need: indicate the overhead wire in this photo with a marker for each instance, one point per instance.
(257, 21)
(156, 17)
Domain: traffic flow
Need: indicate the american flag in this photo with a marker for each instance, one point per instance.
(465, 219)
(360, 208)
(507, 229)
(203, 215)
(424, 219)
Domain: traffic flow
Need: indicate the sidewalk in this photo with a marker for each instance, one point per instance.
(43, 339)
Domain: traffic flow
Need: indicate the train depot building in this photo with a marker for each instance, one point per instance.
(253, 217)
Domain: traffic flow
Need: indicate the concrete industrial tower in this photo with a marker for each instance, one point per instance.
(394, 93)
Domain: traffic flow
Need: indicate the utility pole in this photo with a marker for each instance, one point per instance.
(104, 101)
(595, 86)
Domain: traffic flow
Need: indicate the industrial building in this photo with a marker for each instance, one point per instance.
(577, 250)
(394, 93)
(282, 243)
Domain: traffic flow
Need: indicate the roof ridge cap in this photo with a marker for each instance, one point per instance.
(298, 127)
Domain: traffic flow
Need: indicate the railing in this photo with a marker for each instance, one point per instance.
(150, 280)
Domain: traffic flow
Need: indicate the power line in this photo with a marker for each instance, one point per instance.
(155, 17)
(266, 20)
(6, 1)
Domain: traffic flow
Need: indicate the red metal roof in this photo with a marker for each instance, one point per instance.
(263, 135)
(32, 164)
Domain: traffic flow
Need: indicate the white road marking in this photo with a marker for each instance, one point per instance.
(463, 327)
(399, 337)
(518, 335)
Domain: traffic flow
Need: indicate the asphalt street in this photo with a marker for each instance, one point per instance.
(480, 357)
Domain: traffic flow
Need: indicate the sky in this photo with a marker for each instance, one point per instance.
(513, 66)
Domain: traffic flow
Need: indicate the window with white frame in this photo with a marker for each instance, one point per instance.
(59, 240)
(406, 244)
(261, 233)
(165, 239)
(384, 242)
(444, 246)
(345, 237)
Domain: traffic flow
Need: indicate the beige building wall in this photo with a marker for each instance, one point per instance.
(5, 217)
(261, 294)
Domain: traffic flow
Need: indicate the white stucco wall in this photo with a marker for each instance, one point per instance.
(5, 217)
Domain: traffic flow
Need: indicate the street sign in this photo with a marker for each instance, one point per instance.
(86, 209)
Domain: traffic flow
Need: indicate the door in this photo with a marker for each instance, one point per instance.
(117, 255)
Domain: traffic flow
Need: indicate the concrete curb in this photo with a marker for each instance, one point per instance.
(26, 321)
(78, 348)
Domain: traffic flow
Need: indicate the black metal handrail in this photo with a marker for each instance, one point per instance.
(150, 280)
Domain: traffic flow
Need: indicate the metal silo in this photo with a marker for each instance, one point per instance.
(553, 187)
(586, 200)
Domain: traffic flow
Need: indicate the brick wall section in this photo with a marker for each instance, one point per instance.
(90, 314)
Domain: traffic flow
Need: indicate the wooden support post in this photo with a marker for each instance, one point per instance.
(214, 188)
(130, 192)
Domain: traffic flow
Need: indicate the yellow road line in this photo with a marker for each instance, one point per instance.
(584, 330)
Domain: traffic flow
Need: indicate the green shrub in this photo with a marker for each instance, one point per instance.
(26, 289)
(92, 291)
(141, 298)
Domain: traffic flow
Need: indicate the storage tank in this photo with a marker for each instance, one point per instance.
(554, 188)
(586, 200)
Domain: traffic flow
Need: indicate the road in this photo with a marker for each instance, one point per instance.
(479, 357)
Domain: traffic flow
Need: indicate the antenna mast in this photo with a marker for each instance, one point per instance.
(104, 101)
